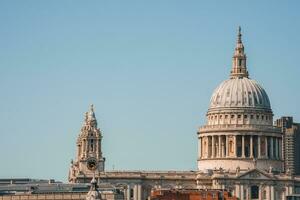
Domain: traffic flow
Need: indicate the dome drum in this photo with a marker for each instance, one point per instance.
(242, 164)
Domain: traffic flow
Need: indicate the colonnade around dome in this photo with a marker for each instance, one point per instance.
(240, 146)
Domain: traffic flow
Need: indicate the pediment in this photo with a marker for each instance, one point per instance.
(255, 174)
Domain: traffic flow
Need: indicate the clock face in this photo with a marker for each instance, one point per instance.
(92, 163)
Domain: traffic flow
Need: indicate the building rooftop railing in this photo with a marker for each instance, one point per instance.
(241, 127)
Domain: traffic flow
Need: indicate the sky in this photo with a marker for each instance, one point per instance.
(149, 68)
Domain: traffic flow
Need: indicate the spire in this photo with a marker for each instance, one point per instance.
(239, 67)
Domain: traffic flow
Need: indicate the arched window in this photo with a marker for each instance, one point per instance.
(92, 145)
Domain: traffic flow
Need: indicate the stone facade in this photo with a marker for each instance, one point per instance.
(239, 148)
(136, 185)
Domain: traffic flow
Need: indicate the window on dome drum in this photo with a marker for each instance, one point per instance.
(262, 117)
(232, 116)
(251, 116)
(250, 101)
(239, 116)
(226, 116)
(255, 99)
(257, 117)
(245, 116)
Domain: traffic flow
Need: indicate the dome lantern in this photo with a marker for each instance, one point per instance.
(239, 66)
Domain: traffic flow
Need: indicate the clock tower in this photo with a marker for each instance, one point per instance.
(89, 160)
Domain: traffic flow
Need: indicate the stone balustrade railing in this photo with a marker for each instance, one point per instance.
(242, 127)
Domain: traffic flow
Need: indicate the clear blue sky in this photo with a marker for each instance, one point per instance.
(149, 67)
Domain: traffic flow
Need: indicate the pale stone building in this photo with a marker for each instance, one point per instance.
(136, 185)
(239, 148)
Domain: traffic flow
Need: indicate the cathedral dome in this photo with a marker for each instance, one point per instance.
(239, 133)
(239, 92)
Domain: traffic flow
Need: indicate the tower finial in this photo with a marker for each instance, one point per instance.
(92, 107)
(239, 35)
(91, 118)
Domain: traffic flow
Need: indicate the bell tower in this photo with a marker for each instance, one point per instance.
(89, 160)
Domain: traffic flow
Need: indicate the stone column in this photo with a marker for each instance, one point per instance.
(243, 146)
(237, 191)
(84, 148)
(260, 192)
(291, 189)
(286, 190)
(128, 192)
(242, 192)
(204, 148)
(97, 148)
(209, 146)
(266, 147)
(258, 146)
(199, 148)
(226, 146)
(220, 147)
(235, 146)
(272, 193)
(223, 148)
(251, 146)
(135, 192)
(139, 191)
(268, 192)
(213, 146)
(271, 148)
